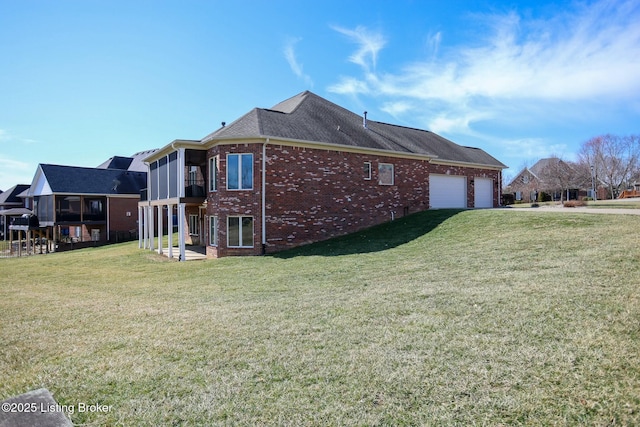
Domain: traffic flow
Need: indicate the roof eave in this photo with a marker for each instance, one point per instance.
(318, 145)
(173, 146)
(469, 164)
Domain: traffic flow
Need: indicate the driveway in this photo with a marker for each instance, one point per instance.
(562, 209)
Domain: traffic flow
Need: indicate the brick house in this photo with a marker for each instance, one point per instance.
(553, 179)
(83, 206)
(303, 171)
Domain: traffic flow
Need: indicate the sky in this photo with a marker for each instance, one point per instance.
(84, 80)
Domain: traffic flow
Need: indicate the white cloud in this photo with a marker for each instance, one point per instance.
(369, 45)
(13, 172)
(296, 67)
(522, 70)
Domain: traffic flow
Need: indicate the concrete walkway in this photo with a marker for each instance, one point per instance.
(191, 254)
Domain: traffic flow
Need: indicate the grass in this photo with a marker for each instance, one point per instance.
(440, 318)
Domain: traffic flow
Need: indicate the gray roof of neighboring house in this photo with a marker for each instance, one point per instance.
(133, 163)
(10, 197)
(80, 180)
(308, 117)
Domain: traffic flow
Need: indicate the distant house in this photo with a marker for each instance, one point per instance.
(12, 205)
(96, 205)
(303, 171)
(551, 179)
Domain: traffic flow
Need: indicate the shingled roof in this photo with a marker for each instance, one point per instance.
(309, 117)
(80, 180)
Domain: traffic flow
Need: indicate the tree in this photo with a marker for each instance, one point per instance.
(614, 160)
(558, 175)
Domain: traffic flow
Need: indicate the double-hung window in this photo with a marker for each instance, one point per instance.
(240, 231)
(367, 170)
(213, 174)
(194, 225)
(239, 171)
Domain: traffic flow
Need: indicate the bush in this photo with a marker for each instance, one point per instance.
(574, 203)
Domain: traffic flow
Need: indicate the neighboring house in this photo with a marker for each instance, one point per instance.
(303, 171)
(79, 204)
(551, 179)
(12, 205)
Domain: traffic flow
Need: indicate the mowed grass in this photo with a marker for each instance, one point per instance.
(440, 318)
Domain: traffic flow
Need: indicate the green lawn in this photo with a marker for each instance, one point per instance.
(441, 318)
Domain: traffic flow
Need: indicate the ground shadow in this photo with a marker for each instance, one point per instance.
(378, 238)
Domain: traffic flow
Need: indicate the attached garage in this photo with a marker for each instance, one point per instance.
(483, 193)
(447, 191)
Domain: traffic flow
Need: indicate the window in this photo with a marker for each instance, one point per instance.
(385, 174)
(213, 231)
(194, 228)
(367, 170)
(213, 174)
(239, 171)
(240, 231)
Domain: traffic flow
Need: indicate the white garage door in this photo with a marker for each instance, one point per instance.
(483, 193)
(447, 191)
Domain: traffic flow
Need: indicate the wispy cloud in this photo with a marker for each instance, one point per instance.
(522, 67)
(13, 172)
(369, 43)
(7, 137)
(296, 67)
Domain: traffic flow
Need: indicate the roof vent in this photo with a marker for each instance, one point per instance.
(364, 120)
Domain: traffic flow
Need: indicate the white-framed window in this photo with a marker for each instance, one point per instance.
(194, 225)
(213, 231)
(213, 173)
(239, 171)
(240, 231)
(367, 170)
(385, 174)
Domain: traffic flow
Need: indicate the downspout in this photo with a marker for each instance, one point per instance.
(264, 196)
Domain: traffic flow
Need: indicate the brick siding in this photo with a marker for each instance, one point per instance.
(314, 194)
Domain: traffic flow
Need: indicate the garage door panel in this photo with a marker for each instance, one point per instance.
(483, 193)
(446, 191)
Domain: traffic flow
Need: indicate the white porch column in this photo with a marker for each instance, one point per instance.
(181, 177)
(181, 237)
(151, 230)
(145, 226)
(170, 229)
(160, 229)
(140, 236)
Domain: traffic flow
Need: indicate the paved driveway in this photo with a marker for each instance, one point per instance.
(562, 209)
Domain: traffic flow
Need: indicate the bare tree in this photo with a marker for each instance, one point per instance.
(559, 175)
(614, 159)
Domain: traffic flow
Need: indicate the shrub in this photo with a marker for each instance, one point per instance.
(574, 203)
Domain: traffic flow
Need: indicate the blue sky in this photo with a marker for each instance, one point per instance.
(83, 80)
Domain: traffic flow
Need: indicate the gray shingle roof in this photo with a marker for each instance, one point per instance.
(10, 197)
(79, 180)
(309, 117)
